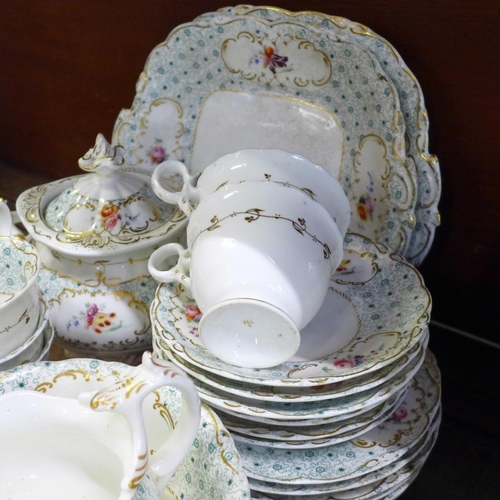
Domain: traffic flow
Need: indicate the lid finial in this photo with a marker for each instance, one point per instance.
(102, 154)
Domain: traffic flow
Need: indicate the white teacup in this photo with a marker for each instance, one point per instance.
(259, 264)
(31, 349)
(55, 448)
(271, 165)
(19, 296)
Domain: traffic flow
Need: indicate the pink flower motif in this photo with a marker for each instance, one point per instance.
(158, 154)
(344, 363)
(399, 415)
(192, 312)
(111, 221)
(349, 362)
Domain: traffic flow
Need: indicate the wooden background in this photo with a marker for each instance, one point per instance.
(67, 67)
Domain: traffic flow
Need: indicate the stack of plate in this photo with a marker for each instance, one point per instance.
(354, 413)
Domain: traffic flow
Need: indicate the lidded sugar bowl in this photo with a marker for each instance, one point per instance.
(94, 233)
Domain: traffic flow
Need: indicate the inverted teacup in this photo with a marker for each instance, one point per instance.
(258, 267)
(58, 448)
(269, 165)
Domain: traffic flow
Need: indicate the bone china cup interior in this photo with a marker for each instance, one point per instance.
(19, 299)
(271, 165)
(258, 268)
(94, 445)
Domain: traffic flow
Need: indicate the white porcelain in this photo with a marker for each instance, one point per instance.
(96, 446)
(301, 394)
(19, 296)
(33, 346)
(311, 436)
(373, 450)
(267, 165)
(212, 465)
(94, 234)
(416, 453)
(259, 265)
(375, 417)
(361, 329)
(48, 339)
(360, 402)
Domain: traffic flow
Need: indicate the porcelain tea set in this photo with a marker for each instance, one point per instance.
(257, 232)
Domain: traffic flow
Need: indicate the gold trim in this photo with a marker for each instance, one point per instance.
(42, 387)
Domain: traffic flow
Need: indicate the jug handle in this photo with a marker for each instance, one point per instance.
(126, 396)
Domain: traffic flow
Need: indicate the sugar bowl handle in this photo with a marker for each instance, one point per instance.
(188, 196)
(126, 396)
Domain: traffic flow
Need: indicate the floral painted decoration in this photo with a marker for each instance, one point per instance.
(192, 313)
(343, 267)
(109, 216)
(348, 361)
(366, 204)
(399, 415)
(271, 60)
(157, 153)
(95, 318)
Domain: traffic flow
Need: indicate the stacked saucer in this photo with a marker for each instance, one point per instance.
(354, 413)
(25, 332)
(36, 347)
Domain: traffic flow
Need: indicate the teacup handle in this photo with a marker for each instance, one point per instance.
(126, 396)
(188, 196)
(179, 273)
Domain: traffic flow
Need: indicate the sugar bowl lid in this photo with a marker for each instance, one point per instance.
(101, 211)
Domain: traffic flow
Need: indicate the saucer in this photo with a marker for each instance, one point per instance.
(48, 338)
(416, 453)
(308, 422)
(382, 311)
(301, 394)
(33, 345)
(313, 409)
(297, 435)
(347, 434)
(378, 447)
